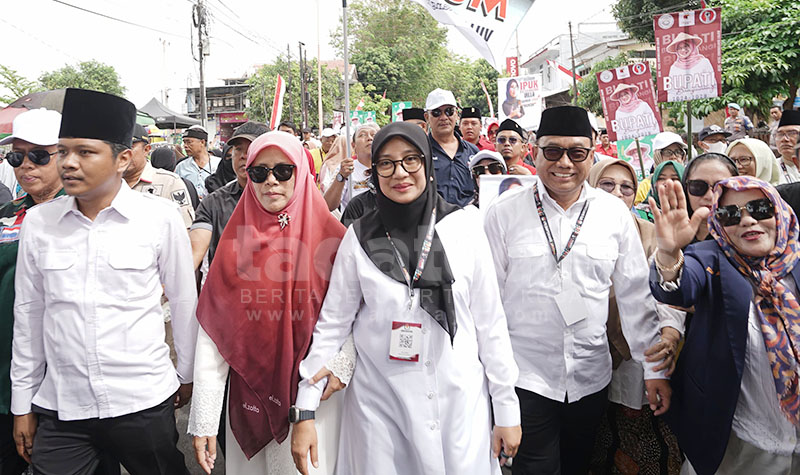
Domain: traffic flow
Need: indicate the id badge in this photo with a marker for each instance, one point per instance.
(571, 305)
(406, 341)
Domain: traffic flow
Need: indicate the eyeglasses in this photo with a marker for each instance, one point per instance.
(669, 154)
(510, 140)
(494, 169)
(449, 111)
(554, 154)
(609, 185)
(697, 187)
(37, 157)
(385, 168)
(787, 134)
(743, 160)
(759, 209)
(281, 172)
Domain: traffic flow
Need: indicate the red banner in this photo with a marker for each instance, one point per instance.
(688, 54)
(629, 102)
(512, 66)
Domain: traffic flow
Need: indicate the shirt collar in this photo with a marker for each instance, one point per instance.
(123, 203)
(148, 173)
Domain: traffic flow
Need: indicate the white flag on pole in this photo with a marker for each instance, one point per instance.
(487, 24)
(277, 103)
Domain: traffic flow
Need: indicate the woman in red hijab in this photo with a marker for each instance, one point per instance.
(258, 309)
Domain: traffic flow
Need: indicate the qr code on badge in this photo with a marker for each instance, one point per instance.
(406, 341)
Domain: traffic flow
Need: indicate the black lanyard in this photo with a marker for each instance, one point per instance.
(549, 234)
(423, 257)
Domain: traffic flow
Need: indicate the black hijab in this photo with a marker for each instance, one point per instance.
(224, 173)
(407, 224)
(164, 158)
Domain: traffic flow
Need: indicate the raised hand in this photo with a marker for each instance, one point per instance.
(674, 229)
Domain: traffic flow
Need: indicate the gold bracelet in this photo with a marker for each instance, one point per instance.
(675, 267)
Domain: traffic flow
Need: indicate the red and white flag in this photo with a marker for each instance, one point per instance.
(277, 103)
(360, 106)
(563, 70)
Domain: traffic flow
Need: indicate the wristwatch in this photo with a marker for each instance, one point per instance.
(339, 177)
(296, 415)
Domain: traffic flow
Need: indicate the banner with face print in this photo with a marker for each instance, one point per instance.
(688, 54)
(520, 98)
(629, 102)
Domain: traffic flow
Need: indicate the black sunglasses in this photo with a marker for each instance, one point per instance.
(449, 111)
(510, 140)
(494, 169)
(697, 187)
(281, 172)
(38, 157)
(759, 209)
(554, 154)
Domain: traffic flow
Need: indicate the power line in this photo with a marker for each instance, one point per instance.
(109, 17)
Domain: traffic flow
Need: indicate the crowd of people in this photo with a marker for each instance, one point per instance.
(359, 314)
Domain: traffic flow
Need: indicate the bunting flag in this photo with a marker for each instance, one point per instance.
(487, 24)
(563, 70)
(360, 106)
(277, 103)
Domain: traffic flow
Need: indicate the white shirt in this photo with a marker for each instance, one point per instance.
(758, 419)
(556, 360)
(8, 178)
(88, 326)
(789, 172)
(433, 416)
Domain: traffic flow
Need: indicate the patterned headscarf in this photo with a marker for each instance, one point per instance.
(777, 308)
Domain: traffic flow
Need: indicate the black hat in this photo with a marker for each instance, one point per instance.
(712, 130)
(196, 132)
(512, 125)
(413, 113)
(603, 131)
(248, 131)
(790, 117)
(140, 134)
(565, 121)
(471, 113)
(97, 115)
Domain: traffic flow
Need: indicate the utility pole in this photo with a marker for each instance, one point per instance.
(289, 82)
(574, 81)
(199, 18)
(319, 77)
(303, 85)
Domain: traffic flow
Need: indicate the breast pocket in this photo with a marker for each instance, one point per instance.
(132, 269)
(600, 265)
(59, 274)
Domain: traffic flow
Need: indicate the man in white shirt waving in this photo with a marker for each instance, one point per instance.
(91, 374)
(558, 246)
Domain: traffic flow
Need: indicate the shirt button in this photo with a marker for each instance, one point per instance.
(434, 425)
(430, 395)
(424, 331)
(428, 363)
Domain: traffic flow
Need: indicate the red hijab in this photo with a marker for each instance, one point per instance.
(263, 295)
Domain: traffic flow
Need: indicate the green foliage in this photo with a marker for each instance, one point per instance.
(92, 75)
(373, 101)
(263, 84)
(635, 17)
(15, 84)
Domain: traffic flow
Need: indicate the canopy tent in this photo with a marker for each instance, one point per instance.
(143, 118)
(166, 118)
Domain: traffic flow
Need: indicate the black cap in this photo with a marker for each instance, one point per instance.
(512, 125)
(471, 113)
(712, 130)
(249, 130)
(603, 131)
(790, 117)
(140, 134)
(413, 113)
(97, 115)
(196, 132)
(565, 121)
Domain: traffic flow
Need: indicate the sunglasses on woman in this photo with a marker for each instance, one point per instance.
(281, 172)
(37, 157)
(449, 111)
(731, 215)
(697, 187)
(608, 185)
(554, 154)
(494, 169)
(385, 167)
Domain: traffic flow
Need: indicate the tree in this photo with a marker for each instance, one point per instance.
(92, 75)
(16, 85)
(635, 17)
(263, 84)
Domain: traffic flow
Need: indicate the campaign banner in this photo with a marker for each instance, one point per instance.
(397, 110)
(493, 186)
(362, 117)
(520, 98)
(688, 54)
(487, 24)
(512, 66)
(629, 102)
(626, 150)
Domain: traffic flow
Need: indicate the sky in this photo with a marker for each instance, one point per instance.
(43, 35)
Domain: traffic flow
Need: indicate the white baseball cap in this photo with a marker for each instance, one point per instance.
(328, 132)
(484, 154)
(438, 98)
(665, 139)
(37, 126)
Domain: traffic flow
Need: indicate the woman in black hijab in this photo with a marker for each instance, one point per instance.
(224, 173)
(413, 279)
